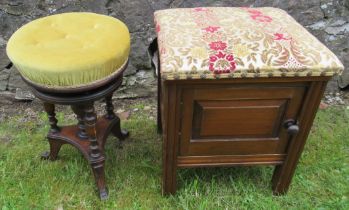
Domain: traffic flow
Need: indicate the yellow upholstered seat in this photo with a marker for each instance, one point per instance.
(70, 49)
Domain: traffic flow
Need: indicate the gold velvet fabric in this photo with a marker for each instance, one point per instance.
(70, 49)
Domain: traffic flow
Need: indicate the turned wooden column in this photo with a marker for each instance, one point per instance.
(79, 111)
(96, 158)
(50, 110)
(109, 107)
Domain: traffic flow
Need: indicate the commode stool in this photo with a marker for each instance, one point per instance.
(239, 86)
(75, 59)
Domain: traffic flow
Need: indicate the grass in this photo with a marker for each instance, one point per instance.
(133, 173)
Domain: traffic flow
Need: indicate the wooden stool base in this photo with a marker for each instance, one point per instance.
(69, 135)
(90, 134)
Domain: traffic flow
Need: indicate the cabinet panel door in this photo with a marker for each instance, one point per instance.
(241, 120)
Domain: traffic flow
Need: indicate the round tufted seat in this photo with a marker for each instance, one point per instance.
(75, 59)
(70, 50)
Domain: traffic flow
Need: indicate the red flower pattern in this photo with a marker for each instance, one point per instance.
(211, 29)
(157, 28)
(279, 36)
(218, 45)
(230, 58)
(200, 9)
(219, 61)
(262, 18)
(258, 16)
(222, 63)
(254, 12)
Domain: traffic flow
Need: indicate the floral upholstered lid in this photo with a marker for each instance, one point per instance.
(228, 42)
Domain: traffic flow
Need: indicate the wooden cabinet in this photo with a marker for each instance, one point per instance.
(237, 122)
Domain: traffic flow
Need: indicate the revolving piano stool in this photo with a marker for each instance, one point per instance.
(75, 59)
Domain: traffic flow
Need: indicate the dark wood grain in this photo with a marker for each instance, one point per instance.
(229, 160)
(238, 120)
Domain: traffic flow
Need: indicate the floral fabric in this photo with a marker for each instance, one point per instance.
(221, 42)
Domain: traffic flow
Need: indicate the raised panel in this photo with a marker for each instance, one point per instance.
(223, 120)
(237, 119)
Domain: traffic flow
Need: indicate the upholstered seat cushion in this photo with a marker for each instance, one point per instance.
(70, 49)
(221, 42)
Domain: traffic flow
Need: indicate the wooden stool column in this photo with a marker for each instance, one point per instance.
(50, 110)
(79, 111)
(96, 158)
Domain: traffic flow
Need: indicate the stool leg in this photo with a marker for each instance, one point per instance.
(55, 145)
(96, 158)
(109, 107)
(169, 170)
(159, 120)
(50, 110)
(116, 130)
(79, 111)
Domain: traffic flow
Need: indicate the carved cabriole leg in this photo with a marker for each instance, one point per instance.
(96, 158)
(116, 130)
(50, 110)
(79, 111)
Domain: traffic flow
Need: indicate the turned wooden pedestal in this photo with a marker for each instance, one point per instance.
(228, 122)
(90, 134)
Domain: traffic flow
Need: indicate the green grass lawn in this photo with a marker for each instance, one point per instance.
(133, 173)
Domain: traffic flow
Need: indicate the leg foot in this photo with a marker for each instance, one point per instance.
(118, 132)
(169, 181)
(280, 181)
(98, 172)
(45, 155)
(55, 146)
(169, 175)
(103, 195)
